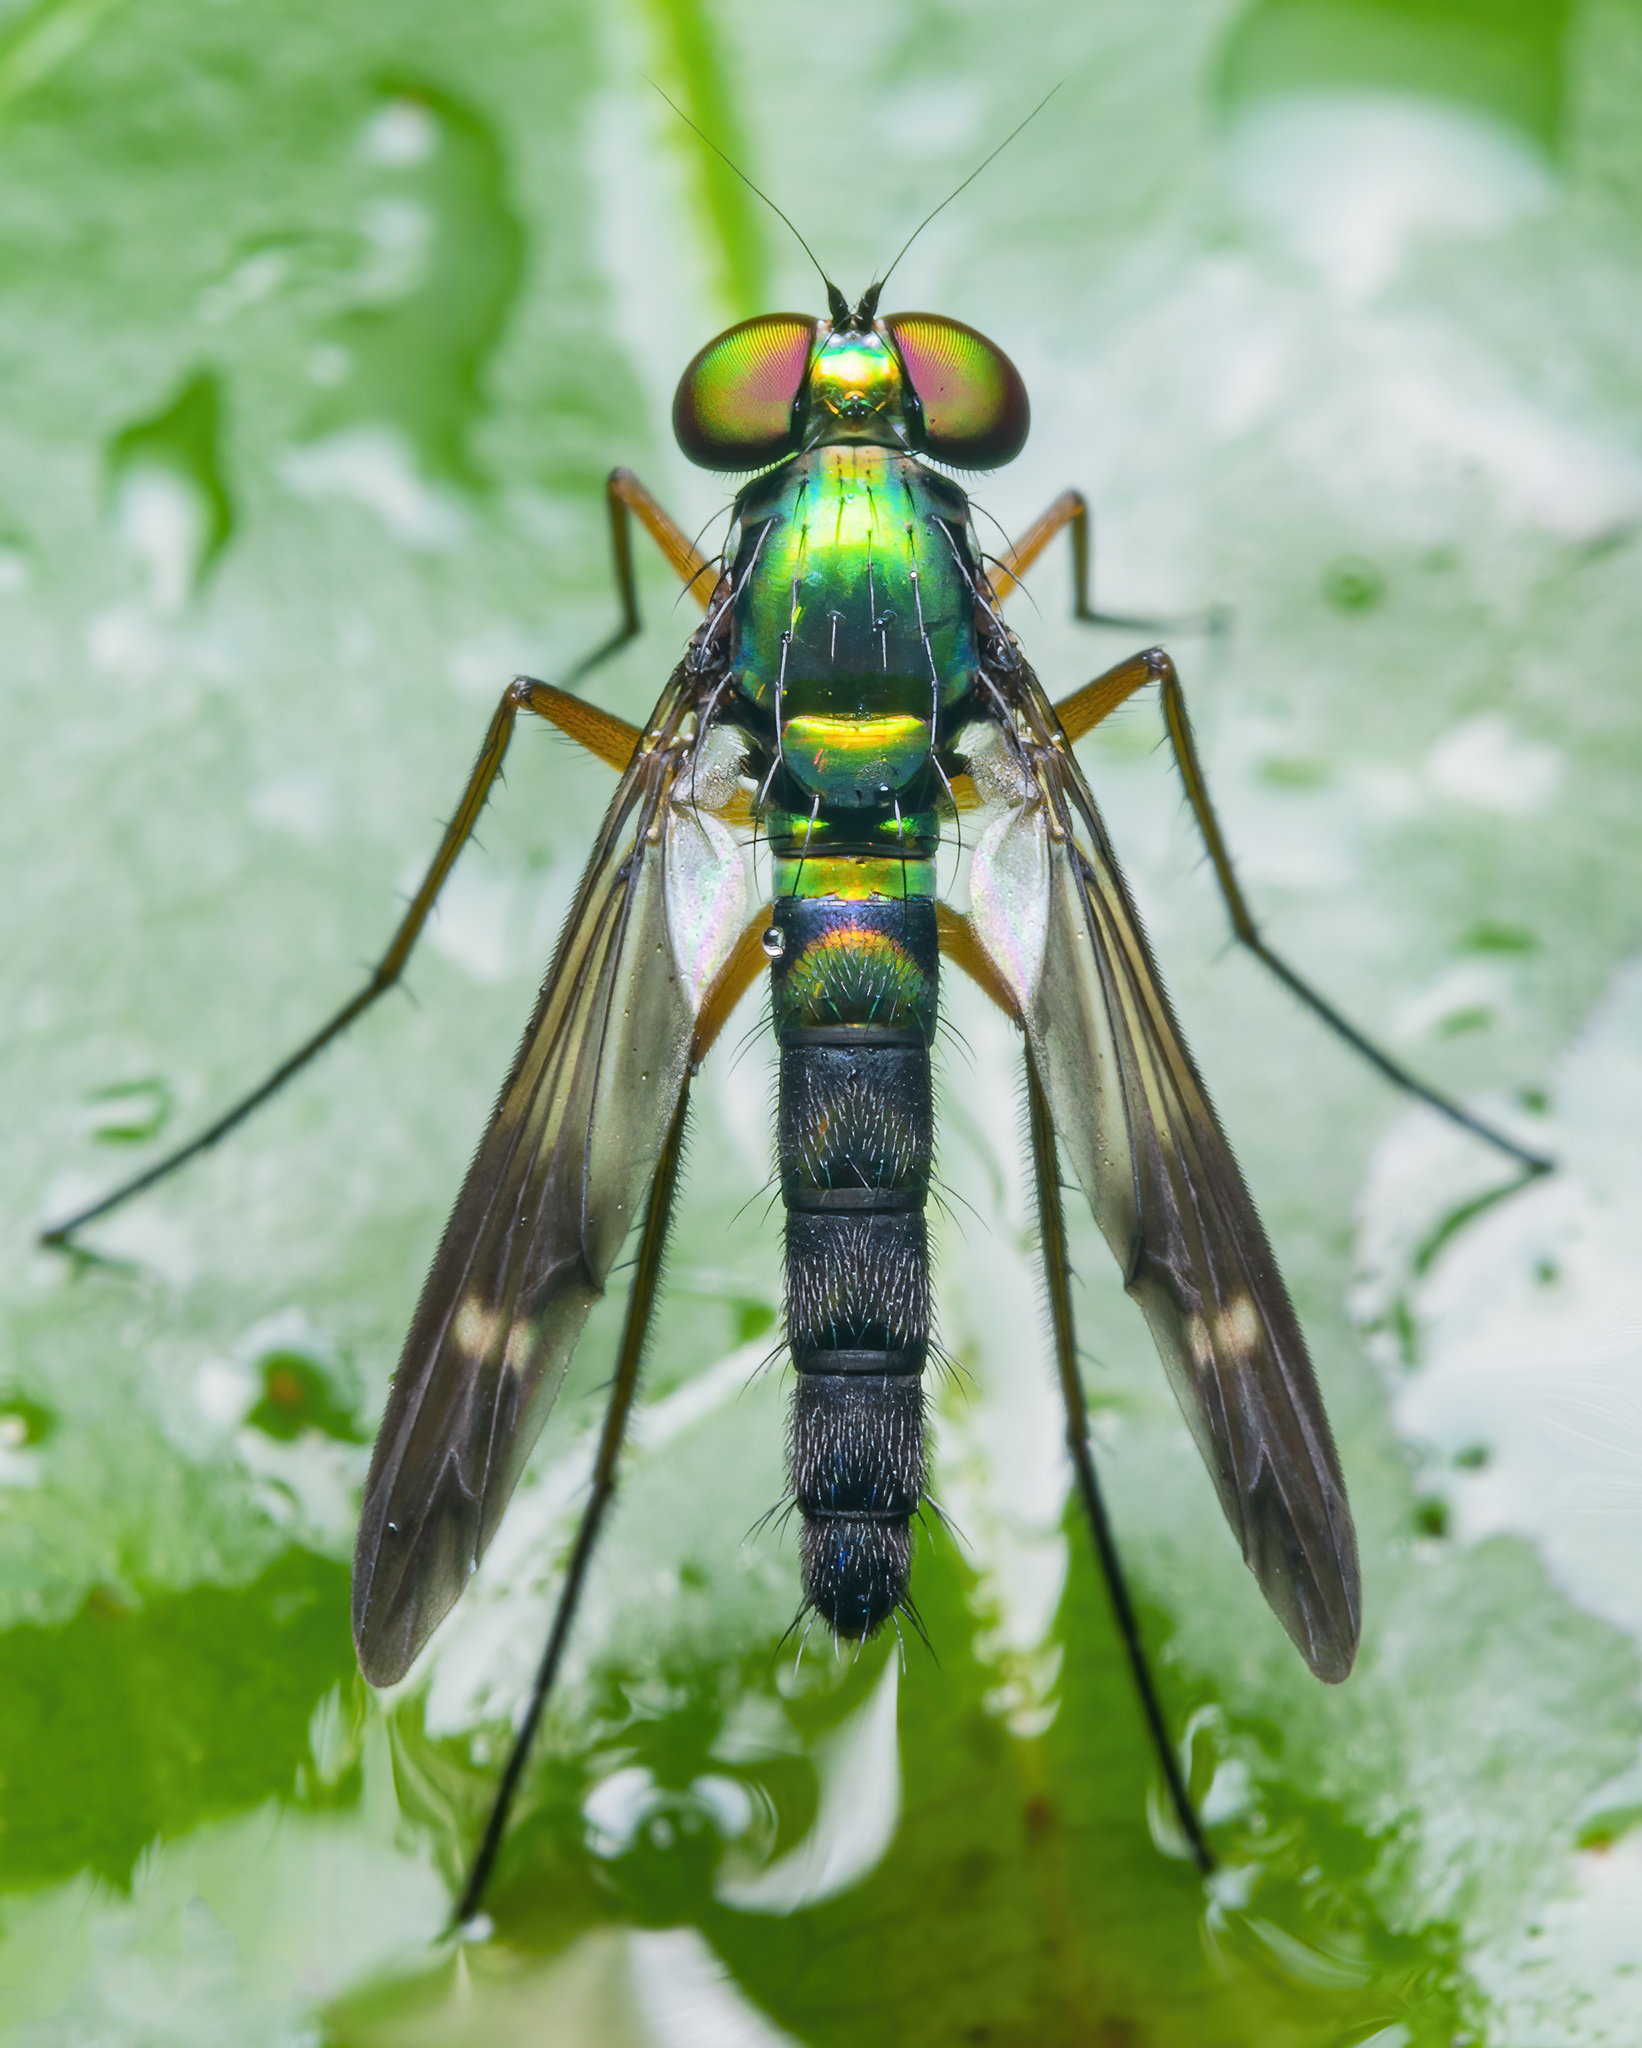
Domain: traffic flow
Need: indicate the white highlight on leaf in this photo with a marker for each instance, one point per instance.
(125, 642)
(860, 1808)
(482, 665)
(689, 1999)
(298, 803)
(225, 1392)
(1527, 1326)
(615, 1807)
(400, 232)
(258, 277)
(473, 923)
(658, 1422)
(933, 119)
(19, 1465)
(400, 135)
(1469, 986)
(618, 1806)
(374, 465)
(1347, 180)
(329, 365)
(166, 522)
(1484, 762)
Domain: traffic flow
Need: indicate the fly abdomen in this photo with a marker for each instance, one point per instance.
(855, 1007)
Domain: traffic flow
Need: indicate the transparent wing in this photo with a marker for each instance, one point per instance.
(560, 1174)
(1134, 1120)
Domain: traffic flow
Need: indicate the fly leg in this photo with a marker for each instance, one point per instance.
(641, 1302)
(747, 961)
(609, 738)
(734, 979)
(960, 946)
(626, 500)
(1083, 710)
(1070, 512)
(1058, 1278)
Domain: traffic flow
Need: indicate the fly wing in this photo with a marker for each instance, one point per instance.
(560, 1174)
(1132, 1116)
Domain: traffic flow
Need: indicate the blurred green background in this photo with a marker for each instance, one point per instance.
(321, 326)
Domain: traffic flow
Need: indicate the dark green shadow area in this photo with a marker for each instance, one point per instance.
(1502, 58)
(131, 1112)
(418, 361)
(730, 213)
(1045, 1913)
(297, 1396)
(182, 441)
(24, 1420)
(133, 1722)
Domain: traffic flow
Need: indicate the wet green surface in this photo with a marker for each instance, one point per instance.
(321, 329)
(134, 1723)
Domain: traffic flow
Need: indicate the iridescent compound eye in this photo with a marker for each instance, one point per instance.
(734, 408)
(973, 402)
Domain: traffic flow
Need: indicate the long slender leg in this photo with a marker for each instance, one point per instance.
(1070, 512)
(1057, 1273)
(627, 499)
(605, 736)
(734, 980)
(612, 740)
(745, 964)
(1084, 710)
(640, 1303)
(959, 944)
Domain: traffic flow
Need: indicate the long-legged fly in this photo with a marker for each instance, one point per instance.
(852, 693)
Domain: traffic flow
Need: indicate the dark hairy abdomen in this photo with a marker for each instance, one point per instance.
(855, 1140)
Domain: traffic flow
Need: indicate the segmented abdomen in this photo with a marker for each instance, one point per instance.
(855, 991)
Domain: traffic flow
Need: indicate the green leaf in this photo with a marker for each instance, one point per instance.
(322, 328)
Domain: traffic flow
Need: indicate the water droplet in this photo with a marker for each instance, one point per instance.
(775, 942)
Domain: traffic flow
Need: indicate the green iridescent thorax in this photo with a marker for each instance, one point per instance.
(856, 625)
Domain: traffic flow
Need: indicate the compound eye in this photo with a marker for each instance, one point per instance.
(975, 413)
(735, 404)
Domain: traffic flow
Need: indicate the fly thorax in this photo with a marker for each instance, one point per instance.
(852, 604)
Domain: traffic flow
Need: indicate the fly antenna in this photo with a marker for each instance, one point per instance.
(964, 187)
(834, 296)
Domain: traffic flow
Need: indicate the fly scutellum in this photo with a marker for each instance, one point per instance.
(851, 690)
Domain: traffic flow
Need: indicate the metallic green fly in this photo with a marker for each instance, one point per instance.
(852, 692)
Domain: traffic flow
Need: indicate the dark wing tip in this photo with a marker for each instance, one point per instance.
(389, 1632)
(1307, 1568)
(406, 1579)
(1334, 1666)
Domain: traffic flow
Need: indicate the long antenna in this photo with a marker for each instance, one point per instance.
(964, 187)
(755, 190)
